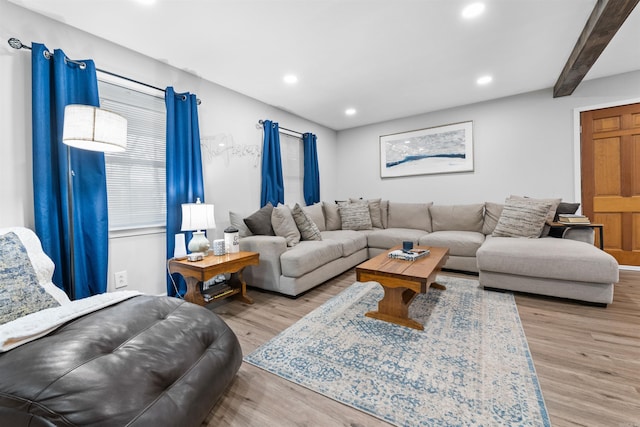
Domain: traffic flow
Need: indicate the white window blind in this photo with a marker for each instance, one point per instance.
(136, 186)
(292, 168)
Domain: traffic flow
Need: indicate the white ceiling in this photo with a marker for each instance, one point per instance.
(385, 58)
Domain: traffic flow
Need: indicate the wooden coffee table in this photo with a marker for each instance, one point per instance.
(402, 281)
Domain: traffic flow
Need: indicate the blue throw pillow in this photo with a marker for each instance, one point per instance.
(20, 292)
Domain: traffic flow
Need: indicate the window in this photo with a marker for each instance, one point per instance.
(292, 156)
(136, 187)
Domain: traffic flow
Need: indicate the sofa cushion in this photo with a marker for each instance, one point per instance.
(457, 217)
(308, 229)
(460, 243)
(259, 222)
(308, 255)
(332, 216)
(316, 214)
(389, 237)
(547, 257)
(410, 215)
(352, 241)
(284, 225)
(355, 216)
(492, 212)
(522, 218)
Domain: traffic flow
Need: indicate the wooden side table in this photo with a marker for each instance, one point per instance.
(212, 265)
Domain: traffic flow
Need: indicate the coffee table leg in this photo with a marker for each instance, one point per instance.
(394, 307)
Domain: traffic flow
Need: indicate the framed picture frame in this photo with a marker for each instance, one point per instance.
(436, 150)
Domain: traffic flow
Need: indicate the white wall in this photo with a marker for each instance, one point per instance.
(232, 185)
(523, 145)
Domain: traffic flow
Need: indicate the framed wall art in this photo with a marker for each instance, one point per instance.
(441, 149)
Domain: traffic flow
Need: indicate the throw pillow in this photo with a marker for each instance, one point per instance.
(492, 212)
(566, 208)
(550, 215)
(284, 225)
(332, 216)
(238, 222)
(355, 216)
(20, 292)
(522, 218)
(308, 229)
(259, 222)
(374, 210)
(316, 214)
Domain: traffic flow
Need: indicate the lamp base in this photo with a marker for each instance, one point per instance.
(199, 243)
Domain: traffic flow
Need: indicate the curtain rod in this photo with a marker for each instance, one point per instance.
(285, 129)
(17, 44)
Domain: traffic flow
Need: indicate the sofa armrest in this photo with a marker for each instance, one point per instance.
(580, 234)
(267, 274)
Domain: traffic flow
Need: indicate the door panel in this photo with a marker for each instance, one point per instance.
(610, 158)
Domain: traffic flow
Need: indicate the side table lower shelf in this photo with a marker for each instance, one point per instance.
(198, 272)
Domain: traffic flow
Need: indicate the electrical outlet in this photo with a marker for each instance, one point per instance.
(121, 279)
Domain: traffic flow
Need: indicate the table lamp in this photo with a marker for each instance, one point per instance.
(198, 217)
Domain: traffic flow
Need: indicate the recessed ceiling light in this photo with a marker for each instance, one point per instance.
(473, 10)
(290, 79)
(350, 111)
(484, 80)
(146, 2)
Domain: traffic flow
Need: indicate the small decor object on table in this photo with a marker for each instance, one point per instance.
(410, 255)
(218, 247)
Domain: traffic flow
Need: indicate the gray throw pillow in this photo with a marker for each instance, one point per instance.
(20, 292)
(284, 225)
(332, 216)
(566, 208)
(355, 216)
(259, 222)
(316, 213)
(308, 229)
(374, 210)
(492, 212)
(522, 218)
(237, 220)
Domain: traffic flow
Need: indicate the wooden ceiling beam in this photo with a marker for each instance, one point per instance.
(606, 19)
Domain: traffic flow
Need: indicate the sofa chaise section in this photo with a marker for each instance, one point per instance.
(550, 266)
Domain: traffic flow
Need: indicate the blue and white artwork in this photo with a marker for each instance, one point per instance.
(443, 149)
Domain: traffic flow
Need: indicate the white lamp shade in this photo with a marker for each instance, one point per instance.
(197, 216)
(94, 129)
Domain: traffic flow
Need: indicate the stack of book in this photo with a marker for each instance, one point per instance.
(411, 255)
(573, 219)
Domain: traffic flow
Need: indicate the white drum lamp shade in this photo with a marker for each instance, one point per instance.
(197, 217)
(94, 129)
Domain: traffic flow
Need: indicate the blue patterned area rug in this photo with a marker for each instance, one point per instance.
(471, 366)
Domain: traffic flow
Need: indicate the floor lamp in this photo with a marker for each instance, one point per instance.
(88, 128)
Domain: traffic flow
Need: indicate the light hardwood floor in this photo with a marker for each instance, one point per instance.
(587, 359)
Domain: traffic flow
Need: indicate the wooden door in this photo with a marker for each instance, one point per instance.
(610, 162)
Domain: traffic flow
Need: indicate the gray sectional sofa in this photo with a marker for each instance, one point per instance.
(569, 268)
